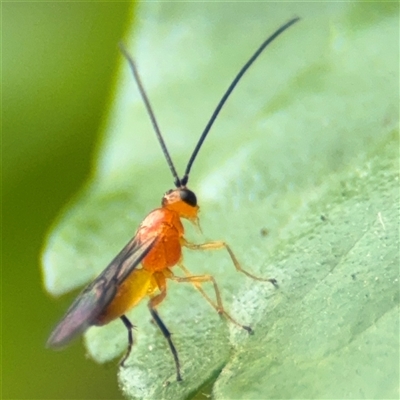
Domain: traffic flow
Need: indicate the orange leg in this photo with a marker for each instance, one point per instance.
(153, 303)
(197, 280)
(222, 245)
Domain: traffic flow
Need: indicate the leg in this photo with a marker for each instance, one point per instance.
(153, 303)
(221, 245)
(197, 280)
(129, 326)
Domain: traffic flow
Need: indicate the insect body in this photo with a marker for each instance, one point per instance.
(143, 266)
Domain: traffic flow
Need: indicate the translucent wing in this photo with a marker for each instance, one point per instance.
(98, 295)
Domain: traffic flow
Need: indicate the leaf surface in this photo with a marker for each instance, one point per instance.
(299, 175)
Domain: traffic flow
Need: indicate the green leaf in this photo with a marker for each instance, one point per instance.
(299, 175)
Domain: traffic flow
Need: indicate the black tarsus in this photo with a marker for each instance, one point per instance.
(185, 177)
(151, 113)
(130, 327)
(167, 335)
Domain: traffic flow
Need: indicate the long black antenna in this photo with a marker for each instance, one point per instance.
(151, 114)
(185, 178)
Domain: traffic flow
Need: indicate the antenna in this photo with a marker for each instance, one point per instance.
(151, 114)
(185, 177)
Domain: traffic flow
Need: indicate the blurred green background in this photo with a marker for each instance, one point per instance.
(58, 66)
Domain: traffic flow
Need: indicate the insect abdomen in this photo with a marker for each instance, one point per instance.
(137, 285)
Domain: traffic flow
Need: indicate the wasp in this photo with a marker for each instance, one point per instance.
(143, 266)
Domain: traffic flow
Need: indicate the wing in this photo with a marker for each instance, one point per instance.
(99, 294)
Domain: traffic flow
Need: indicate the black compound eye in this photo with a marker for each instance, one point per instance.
(188, 197)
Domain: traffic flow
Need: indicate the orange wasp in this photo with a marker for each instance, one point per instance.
(156, 247)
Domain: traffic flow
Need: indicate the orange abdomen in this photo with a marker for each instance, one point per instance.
(139, 284)
(167, 227)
